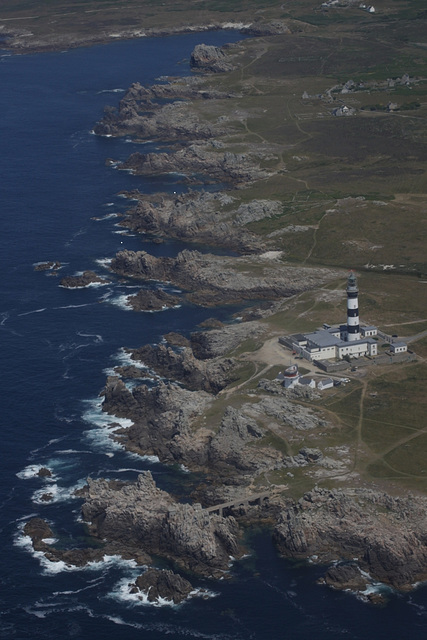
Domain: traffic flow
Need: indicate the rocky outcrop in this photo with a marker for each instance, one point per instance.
(200, 159)
(86, 279)
(181, 365)
(142, 112)
(150, 300)
(44, 472)
(162, 418)
(218, 279)
(202, 217)
(229, 447)
(207, 57)
(218, 342)
(141, 514)
(155, 585)
(284, 410)
(384, 536)
(51, 265)
(38, 530)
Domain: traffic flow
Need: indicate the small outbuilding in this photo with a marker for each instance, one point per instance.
(325, 383)
(398, 347)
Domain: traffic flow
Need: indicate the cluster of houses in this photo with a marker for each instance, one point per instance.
(291, 377)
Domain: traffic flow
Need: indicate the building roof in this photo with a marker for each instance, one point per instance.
(299, 337)
(399, 344)
(322, 338)
(370, 327)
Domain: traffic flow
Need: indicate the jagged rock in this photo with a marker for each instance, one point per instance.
(176, 339)
(141, 514)
(235, 431)
(162, 417)
(345, 576)
(304, 457)
(257, 210)
(207, 57)
(196, 217)
(38, 529)
(198, 158)
(142, 112)
(385, 534)
(218, 342)
(212, 279)
(44, 473)
(181, 365)
(47, 266)
(149, 300)
(87, 278)
(158, 584)
(284, 410)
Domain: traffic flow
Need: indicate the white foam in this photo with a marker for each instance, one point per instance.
(122, 593)
(56, 494)
(105, 424)
(121, 302)
(94, 285)
(111, 91)
(32, 471)
(75, 306)
(125, 359)
(27, 313)
(104, 262)
(98, 338)
(50, 567)
(109, 216)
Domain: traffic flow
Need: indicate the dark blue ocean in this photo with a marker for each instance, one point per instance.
(57, 348)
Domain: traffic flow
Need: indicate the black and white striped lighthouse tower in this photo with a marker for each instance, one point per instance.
(353, 328)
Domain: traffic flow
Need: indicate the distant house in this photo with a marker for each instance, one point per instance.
(344, 111)
(398, 347)
(326, 383)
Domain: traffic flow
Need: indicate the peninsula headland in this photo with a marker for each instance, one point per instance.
(303, 148)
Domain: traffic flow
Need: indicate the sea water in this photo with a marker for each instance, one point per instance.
(59, 202)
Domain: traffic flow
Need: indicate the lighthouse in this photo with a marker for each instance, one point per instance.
(353, 328)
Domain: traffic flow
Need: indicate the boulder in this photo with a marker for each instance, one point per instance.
(156, 584)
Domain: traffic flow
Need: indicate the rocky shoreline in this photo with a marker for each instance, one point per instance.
(193, 411)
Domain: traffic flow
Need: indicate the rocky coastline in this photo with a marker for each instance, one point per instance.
(193, 412)
(210, 280)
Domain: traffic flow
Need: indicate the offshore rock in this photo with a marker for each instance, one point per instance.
(161, 584)
(38, 530)
(86, 279)
(210, 58)
(384, 535)
(141, 514)
(149, 300)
